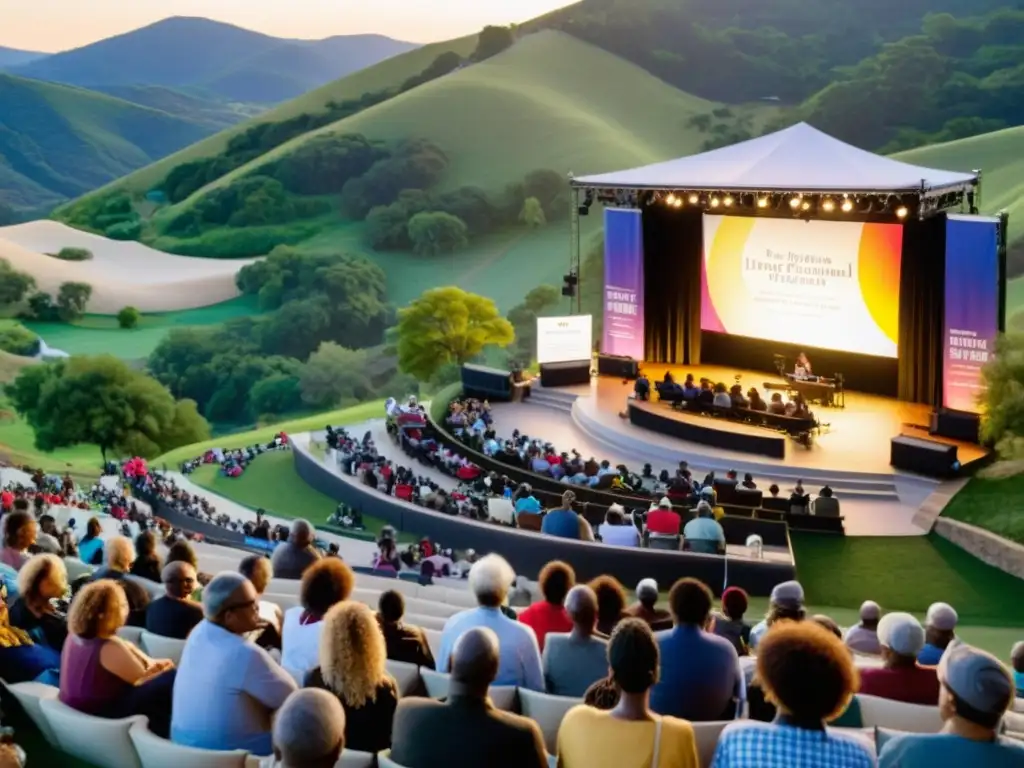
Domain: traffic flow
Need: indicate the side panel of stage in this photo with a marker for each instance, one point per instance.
(705, 430)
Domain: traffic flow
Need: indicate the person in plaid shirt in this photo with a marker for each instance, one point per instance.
(808, 674)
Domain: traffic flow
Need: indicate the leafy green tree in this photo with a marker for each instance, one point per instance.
(334, 375)
(101, 401)
(14, 285)
(415, 164)
(492, 41)
(532, 214)
(550, 188)
(447, 325)
(128, 318)
(1002, 421)
(72, 299)
(124, 230)
(387, 227)
(74, 254)
(275, 395)
(437, 232)
(42, 308)
(322, 165)
(296, 329)
(19, 340)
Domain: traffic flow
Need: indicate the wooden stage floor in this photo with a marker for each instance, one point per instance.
(854, 438)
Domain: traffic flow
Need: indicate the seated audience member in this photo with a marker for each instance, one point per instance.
(465, 730)
(617, 531)
(19, 534)
(293, 557)
(642, 387)
(690, 388)
(257, 569)
(777, 406)
(730, 624)
(353, 660)
(773, 491)
(565, 523)
(573, 661)
(737, 397)
(118, 556)
(939, 625)
(176, 613)
(519, 663)
(629, 735)
(105, 676)
(786, 602)
(789, 658)
(227, 688)
(756, 402)
(645, 607)
(799, 500)
(748, 482)
(703, 533)
(1017, 659)
(527, 502)
(722, 398)
(147, 562)
(309, 731)
(827, 622)
(21, 660)
(324, 584)
(826, 505)
(700, 676)
(976, 690)
(705, 395)
(48, 538)
(863, 637)
(549, 615)
(611, 603)
(662, 520)
(901, 637)
(43, 579)
(403, 642)
(90, 548)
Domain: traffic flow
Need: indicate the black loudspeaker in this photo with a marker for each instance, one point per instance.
(486, 383)
(956, 425)
(565, 374)
(925, 457)
(620, 366)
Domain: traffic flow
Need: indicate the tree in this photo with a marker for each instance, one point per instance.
(532, 214)
(492, 41)
(275, 395)
(551, 189)
(101, 401)
(1003, 419)
(14, 285)
(447, 325)
(70, 253)
(128, 317)
(387, 227)
(333, 375)
(72, 299)
(19, 340)
(42, 308)
(437, 232)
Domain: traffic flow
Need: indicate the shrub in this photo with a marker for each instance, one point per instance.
(42, 308)
(72, 299)
(124, 230)
(436, 232)
(18, 340)
(128, 317)
(74, 254)
(239, 243)
(416, 164)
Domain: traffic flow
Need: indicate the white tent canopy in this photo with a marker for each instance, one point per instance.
(797, 159)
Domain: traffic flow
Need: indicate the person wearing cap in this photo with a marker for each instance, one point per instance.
(573, 661)
(646, 608)
(976, 690)
(939, 624)
(227, 687)
(1017, 660)
(662, 520)
(901, 678)
(703, 533)
(549, 615)
(863, 637)
(786, 602)
(309, 731)
(616, 531)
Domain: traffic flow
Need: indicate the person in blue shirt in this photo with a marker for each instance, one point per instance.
(563, 521)
(940, 623)
(527, 502)
(1017, 659)
(519, 661)
(976, 690)
(21, 660)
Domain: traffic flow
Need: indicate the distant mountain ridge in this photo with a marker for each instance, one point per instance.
(13, 57)
(231, 62)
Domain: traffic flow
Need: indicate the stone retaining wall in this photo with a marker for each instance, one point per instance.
(1002, 553)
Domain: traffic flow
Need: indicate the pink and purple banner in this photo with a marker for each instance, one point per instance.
(623, 283)
(972, 308)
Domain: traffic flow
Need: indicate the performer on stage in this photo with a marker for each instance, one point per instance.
(803, 366)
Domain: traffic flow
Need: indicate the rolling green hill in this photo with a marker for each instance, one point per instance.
(58, 141)
(207, 109)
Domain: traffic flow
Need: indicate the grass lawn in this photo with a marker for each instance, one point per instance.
(17, 446)
(992, 504)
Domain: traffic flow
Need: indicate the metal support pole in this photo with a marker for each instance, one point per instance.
(977, 193)
(574, 249)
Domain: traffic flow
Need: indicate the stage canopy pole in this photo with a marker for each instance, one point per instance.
(574, 251)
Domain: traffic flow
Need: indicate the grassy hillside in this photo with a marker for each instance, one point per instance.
(58, 141)
(215, 112)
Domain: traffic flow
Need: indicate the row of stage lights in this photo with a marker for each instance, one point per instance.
(799, 204)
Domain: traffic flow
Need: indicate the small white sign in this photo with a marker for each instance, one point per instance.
(563, 339)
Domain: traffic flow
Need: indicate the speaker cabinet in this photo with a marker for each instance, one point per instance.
(619, 366)
(956, 425)
(565, 374)
(925, 457)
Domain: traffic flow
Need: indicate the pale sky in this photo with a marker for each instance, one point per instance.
(57, 25)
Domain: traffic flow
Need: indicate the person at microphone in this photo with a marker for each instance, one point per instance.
(803, 367)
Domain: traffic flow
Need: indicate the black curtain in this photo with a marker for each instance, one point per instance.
(673, 248)
(922, 298)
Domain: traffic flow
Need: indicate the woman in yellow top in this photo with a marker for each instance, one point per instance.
(630, 735)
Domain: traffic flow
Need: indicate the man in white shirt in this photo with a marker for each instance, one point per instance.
(227, 688)
(863, 638)
(616, 532)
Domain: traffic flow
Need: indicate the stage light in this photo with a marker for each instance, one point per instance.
(794, 203)
(762, 202)
(715, 202)
(847, 205)
(679, 202)
(806, 205)
(728, 201)
(694, 198)
(670, 200)
(901, 212)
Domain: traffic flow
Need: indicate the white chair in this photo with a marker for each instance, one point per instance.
(707, 735)
(433, 640)
(1013, 722)
(155, 752)
(29, 696)
(458, 597)
(284, 602)
(132, 634)
(160, 647)
(547, 711)
(1018, 704)
(425, 607)
(286, 586)
(503, 697)
(96, 740)
(898, 715)
(426, 622)
(369, 597)
(406, 675)
(76, 568)
(384, 760)
(501, 510)
(353, 759)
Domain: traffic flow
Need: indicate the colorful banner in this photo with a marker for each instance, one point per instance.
(826, 284)
(623, 283)
(972, 308)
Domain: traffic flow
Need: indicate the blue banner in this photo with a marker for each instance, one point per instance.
(623, 332)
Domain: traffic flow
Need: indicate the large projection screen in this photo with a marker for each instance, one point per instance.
(825, 284)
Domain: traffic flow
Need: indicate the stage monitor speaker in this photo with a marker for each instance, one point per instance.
(925, 457)
(620, 366)
(956, 425)
(565, 374)
(488, 383)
